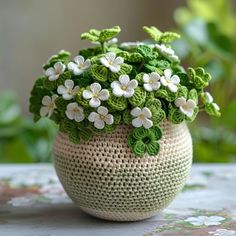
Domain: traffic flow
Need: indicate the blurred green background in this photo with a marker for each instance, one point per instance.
(32, 30)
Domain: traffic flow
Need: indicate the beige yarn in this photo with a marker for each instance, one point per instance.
(105, 179)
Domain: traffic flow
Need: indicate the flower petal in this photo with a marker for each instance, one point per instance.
(124, 79)
(53, 77)
(146, 112)
(109, 119)
(43, 111)
(93, 116)
(147, 87)
(117, 91)
(190, 104)
(145, 78)
(102, 110)
(155, 76)
(46, 100)
(163, 81)
(59, 67)
(175, 79)
(115, 84)
(95, 88)
(79, 60)
(70, 114)
(69, 83)
(137, 122)
(79, 116)
(50, 71)
(180, 101)
(87, 94)
(172, 87)
(103, 95)
(167, 73)
(87, 64)
(114, 68)
(128, 93)
(94, 102)
(61, 89)
(110, 56)
(133, 84)
(104, 61)
(67, 96)
(99, 124)
(118, 60)
(135, 112)
(147, 123)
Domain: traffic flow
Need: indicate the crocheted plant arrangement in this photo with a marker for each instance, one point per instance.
(138, 84)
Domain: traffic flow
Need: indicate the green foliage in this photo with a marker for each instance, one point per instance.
(21, 140)
(101, 35)
(208, 30)
(116, 85)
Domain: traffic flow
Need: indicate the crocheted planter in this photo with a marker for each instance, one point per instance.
(123, 150)
(105, 179)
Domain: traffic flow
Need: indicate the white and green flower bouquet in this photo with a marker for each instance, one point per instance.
(136, 83)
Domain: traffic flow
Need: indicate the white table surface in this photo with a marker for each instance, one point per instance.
(33, 203)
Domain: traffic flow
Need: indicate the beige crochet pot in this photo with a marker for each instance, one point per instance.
(105, 179)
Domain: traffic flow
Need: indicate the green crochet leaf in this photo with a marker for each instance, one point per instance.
(127, 117)
(146, 52)
(85, 134)
(49, 85)
(90, 52)
(199, 77)
(153, 32)
(139, 148)
(131, 141)
(117, 103)
(66, 126)
(152, 148)
(175, 115)
(99, 73)
(108, 34)
(61, 104)
(193, 95)
(117, 118)
(124, 70)
(140, 133)
(101, 35)
(139, 78)
(168, 37)
(163, 64)
(166, 94)
(211, 110)
(138, 98)
(62, 56)
(110, 128)
(74, 136)
(158, 36)
(156, 130)
(153, 102)
(158, 115)
(182, 92)
(83, 81)
(82, 101)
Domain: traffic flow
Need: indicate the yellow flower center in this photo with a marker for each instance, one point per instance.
(124, 87)
(95, 95)
(142, 116)
(102, 117)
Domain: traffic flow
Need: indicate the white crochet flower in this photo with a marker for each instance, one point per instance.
(54, 72)
(48, 105)
(96, 94)
(79, 66)
(151, 81)
(170, 81)
(101, 117)
(68, 91)
(131, 44)
(167, 52)
(124, 87)
(222, 232)
(112, 62)
(142, 117)
(186, 107)
(209, 99)
(75, 112)
(205, 220)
